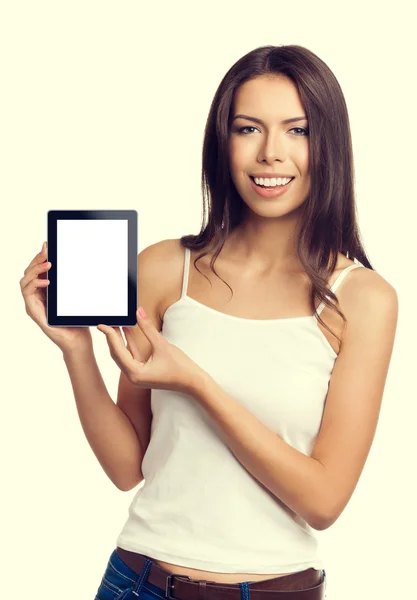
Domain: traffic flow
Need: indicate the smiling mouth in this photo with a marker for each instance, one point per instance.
(271, 187)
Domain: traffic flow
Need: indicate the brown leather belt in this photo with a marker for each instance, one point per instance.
(304, 585)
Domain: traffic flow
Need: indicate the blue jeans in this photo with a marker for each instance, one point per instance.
(119, 582)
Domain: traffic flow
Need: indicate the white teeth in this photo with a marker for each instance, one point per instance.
(272, 182)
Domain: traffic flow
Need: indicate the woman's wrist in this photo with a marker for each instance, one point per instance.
(77, 350)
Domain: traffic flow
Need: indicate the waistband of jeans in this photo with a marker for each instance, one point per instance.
(303, 585)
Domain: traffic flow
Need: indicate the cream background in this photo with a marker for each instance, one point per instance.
(99, 98)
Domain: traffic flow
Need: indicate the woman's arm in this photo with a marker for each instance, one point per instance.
(119, 433)
(108, 430)
(319, 486)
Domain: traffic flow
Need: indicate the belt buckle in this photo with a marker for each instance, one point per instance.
(168, 587)
(169, 584)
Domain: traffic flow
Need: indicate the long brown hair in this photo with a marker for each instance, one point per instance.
(329, 222)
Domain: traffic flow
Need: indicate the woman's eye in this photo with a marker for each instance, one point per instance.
(242, 129)
(300, 129)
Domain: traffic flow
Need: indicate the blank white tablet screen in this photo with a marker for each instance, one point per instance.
(92, 274)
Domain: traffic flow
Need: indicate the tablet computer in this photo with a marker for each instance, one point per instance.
(93, 277)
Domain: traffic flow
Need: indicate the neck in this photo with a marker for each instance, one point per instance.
(265, 245)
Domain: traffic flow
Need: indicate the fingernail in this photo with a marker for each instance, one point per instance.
(142, 312)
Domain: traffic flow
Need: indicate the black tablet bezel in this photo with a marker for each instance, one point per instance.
(51, 296)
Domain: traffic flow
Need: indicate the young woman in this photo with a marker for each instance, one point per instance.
(248, 417)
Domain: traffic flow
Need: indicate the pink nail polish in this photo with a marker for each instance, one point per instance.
(142, 312)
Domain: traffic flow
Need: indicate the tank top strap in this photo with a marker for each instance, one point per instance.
(337, 282)
(187, 258)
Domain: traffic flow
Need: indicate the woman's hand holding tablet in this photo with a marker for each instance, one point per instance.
(33, 286)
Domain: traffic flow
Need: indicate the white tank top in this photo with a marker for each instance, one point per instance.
(198, 506)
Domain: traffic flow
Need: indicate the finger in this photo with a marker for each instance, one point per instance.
(32, 286)
(39, 270)
(119, 334)
(113, 333)
(131, 344)
(118, 351)
(123, 341)
(35, 302)
(38, 259)
(149, 329)
(29, 290)
(35, 307)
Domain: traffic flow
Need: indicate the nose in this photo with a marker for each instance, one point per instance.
(273, 149)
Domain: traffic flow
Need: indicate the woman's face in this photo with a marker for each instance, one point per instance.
(272, 146)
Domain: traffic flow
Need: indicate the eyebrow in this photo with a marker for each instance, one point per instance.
(292, 120)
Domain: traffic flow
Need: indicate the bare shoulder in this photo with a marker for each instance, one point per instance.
(363, 291)
(367, 290)
(369, 302)
(162, 254)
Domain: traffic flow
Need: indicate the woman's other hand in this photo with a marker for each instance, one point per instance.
(168, 367)
(33, 287)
